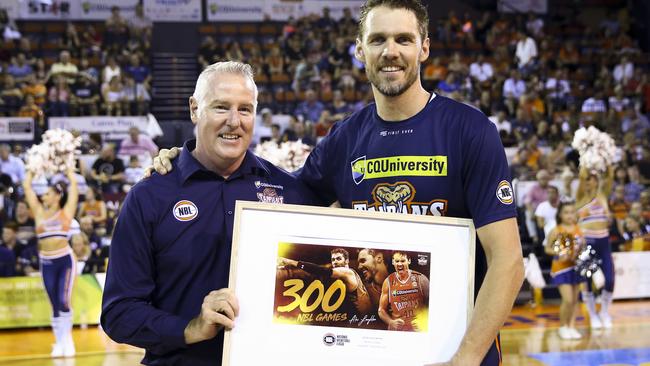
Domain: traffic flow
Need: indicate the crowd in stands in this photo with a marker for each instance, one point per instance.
(75, 69)
(538, 79)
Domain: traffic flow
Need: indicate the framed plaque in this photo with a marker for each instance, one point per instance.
(330, 286)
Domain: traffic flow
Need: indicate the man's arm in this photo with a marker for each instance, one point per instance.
(127, 313)
(502, 282)
(383, 309)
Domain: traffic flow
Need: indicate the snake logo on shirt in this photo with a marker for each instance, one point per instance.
(398, 197)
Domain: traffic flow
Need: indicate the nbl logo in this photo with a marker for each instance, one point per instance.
(329, 339)
(185, 210)
(505, 193)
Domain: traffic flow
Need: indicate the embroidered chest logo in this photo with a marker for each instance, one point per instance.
(185, 210)
(398, 166)
(504, 192)
(269, 193)
(398, 198)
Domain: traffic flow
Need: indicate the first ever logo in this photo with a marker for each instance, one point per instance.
(185, 210)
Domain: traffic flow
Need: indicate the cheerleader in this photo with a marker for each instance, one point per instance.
(594, 220)
(564, 243)
(53, 219)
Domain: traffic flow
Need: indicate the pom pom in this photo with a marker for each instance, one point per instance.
(55, 154)
(290, 155)
(597, 149)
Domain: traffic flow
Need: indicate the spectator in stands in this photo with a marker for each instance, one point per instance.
(11, 165)
(140, 25)
(41, 71)
(114, 97)
(234, 52)
(7, 262)
(87, 227)
(633, 187)
(503, 125)
(594, 108)
(636, 211)
(88, 70)
(325, 23)
(338, 56)
(85, 96)
(111, 70)
(134, 172)
(546, 211)
(11, 96)
(70, 40)
(536, 194)
(457, 65)
(433, 73)
(339, 108)
(95, 208)
(275, 61)
(138, 144)
(522, 126)
(297, 131)
(557, 89)
(569, 55)
(59, 97)
(36, 88)
(311, 108)
(26, 226)
(514, 87)
(117, 31)
(525, 53)
(644, 199)
(481, 70)
(30, 109)
(81, 248)
(64, 68)
(10, 240)
(636, 235)
(307, 72)
(108, 170)
(624, 71)
(262, 130)
(209, 52)
(134, 99)
(618, 205)
(20, 69)
(142, 77)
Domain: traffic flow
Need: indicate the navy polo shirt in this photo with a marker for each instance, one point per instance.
(171, 247)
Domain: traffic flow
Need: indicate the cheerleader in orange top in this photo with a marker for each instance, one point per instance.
(564, 243)
(53, 219)
(594, 219)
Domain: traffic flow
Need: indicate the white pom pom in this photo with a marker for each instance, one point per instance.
(55, 154)
(597, 149)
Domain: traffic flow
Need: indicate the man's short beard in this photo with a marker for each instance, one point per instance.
(395, 90)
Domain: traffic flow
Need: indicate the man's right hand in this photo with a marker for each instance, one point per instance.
(396, 324)
(219, 310)
(162, 163)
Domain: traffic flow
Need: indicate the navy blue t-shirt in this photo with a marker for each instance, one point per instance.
(447, 160)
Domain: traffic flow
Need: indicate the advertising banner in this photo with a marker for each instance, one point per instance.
(16, 129)
(173, 10)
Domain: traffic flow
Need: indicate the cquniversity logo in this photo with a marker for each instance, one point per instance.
(185, 210)
(358, 169)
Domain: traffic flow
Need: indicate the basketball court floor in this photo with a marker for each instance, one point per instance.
(529, 338)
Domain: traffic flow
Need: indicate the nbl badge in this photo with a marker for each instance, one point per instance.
(185, 210)
(504, 193)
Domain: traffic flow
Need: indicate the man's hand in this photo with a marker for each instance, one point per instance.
(284, 262)
(162, 163)
(396, 324)
(219, 310)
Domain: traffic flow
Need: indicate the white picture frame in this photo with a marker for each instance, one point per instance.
(263, 335)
